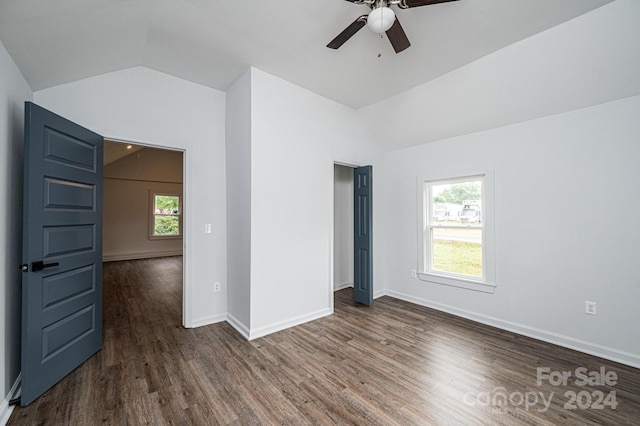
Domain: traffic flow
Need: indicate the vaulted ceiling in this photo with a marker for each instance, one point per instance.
(212, 42)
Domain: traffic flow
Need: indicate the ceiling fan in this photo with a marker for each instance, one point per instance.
(382, 19)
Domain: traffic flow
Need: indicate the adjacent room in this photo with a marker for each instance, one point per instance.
(302, 213)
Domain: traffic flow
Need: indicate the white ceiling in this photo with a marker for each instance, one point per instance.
(212, 42)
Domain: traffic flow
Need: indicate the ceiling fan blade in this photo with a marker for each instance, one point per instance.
(398, 37)
(405, 4)
(348, 32)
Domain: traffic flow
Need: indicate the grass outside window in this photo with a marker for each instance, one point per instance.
(458, 257)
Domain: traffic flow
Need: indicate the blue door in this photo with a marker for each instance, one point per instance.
(362, 256)
(62, 249)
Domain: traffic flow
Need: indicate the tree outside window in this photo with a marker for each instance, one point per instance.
(166, 215)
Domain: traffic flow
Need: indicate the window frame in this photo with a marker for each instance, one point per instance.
(152, 215)
(425, 272)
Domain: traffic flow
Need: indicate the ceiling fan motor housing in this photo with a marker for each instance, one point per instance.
(381, 19)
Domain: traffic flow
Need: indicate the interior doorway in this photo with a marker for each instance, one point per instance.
(143, 203)
(342, 227)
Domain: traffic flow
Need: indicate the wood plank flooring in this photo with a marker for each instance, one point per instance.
(395, 363)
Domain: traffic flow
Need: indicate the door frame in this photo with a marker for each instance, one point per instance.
(187, 319)
(334, 163)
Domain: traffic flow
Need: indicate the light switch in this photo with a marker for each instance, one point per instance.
(207, 228)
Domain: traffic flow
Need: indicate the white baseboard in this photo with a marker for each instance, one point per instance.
(263, 331)
(238, 325)
(342, 286)
(136, 256)
(379, 293)
(208, 320)
(250, 334)
(376, 294)
(612, 354)
(5, 409)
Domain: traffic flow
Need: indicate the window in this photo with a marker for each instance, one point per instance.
(166, 220)
(456, 231)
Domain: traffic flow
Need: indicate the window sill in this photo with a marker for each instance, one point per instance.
(165, 237)
(469, 284)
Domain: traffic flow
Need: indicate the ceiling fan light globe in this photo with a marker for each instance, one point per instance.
(381, 19)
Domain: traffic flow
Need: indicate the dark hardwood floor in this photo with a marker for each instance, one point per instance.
(395, 363)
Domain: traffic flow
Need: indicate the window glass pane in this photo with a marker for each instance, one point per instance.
(167, 225)
(453, 249)
(166, 215)
(456, 203)
(167, 204)
(457, 251)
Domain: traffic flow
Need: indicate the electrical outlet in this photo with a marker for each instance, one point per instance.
(216, 287)
(590, 308)
(414, 273)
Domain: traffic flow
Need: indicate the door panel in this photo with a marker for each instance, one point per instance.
(59, 288)
(60, 194)
(62, 249)
(66, 240)
(68, 150)
(363, 286)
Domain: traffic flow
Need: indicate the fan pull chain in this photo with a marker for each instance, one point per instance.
(380, 45)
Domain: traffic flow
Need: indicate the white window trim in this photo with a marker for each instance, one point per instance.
(487, 283)
(152, 219)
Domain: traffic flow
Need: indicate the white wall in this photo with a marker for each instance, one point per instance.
(343, 227)
(238, 157)
(296, 137)
(561, 235)
(128, 185)
(592, 59)
(141, 105)
(14, 91)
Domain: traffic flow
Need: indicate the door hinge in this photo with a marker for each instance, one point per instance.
(24, 267)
